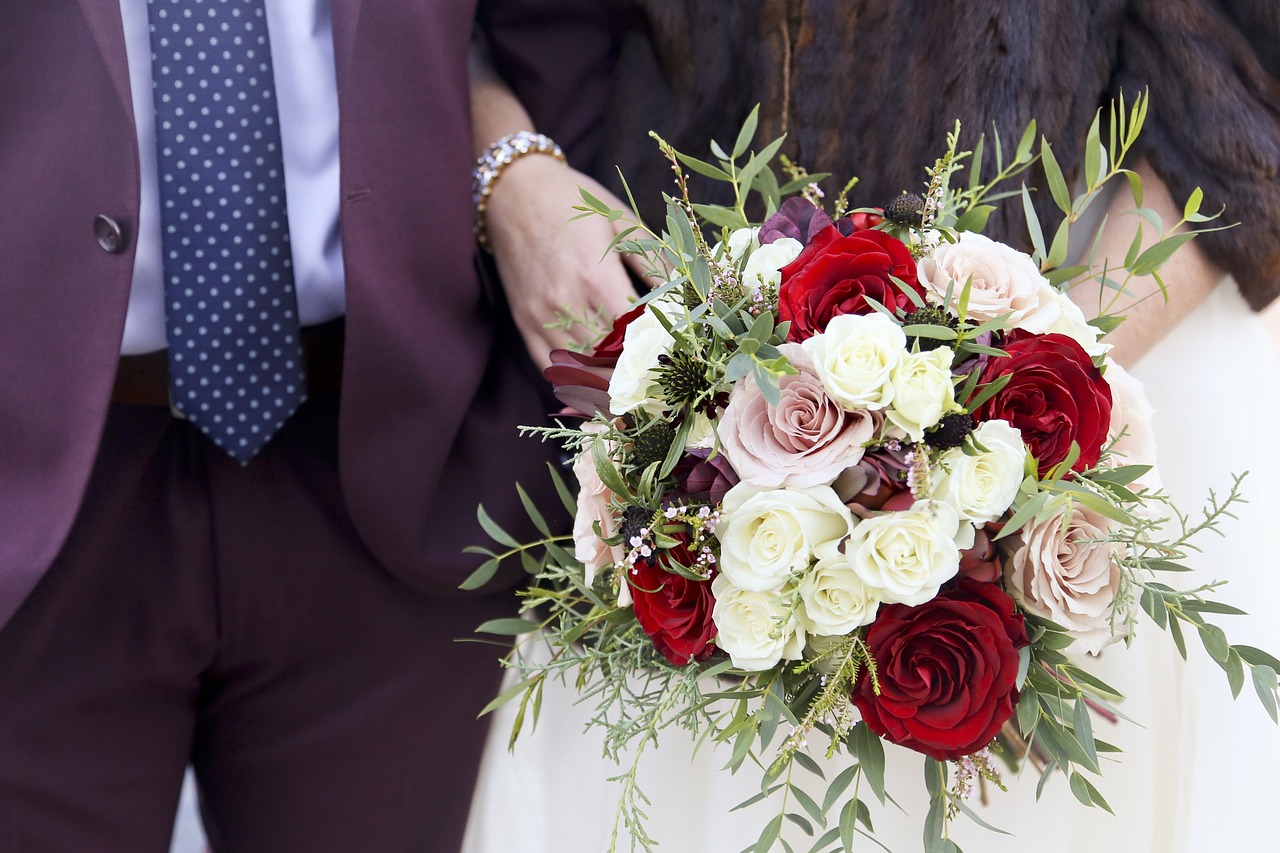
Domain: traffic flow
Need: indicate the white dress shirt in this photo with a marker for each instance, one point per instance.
(307, 99)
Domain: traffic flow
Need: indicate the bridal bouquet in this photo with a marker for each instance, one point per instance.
(859, 475)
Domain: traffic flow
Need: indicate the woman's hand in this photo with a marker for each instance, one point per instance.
(563, 285)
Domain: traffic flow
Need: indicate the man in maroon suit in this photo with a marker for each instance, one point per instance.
(287, 626)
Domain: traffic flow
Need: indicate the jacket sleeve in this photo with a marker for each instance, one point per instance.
(558, 57)
(1214, 121)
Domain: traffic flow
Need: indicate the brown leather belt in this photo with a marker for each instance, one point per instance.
(143, 380)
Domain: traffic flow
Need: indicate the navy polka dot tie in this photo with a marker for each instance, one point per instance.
(236, 369)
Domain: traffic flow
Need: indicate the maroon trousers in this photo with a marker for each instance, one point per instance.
(231, 618)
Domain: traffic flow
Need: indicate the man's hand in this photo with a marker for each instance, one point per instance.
(551, 267)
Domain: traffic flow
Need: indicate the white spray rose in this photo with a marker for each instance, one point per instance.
(642, 343)
(1004, 281)
(981, 486)
(906, 556)
(766, 262)
(768, 535)
(836, 600)
(855, 358)
(923, 391)
(754, 628)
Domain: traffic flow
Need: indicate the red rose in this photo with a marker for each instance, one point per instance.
(1055, 396)
(835, 274)
(673, 610)
(946, 669)
(611, 346)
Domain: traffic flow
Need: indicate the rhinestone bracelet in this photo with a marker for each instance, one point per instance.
(489, 167)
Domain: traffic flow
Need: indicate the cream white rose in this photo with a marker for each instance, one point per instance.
(768, 535)
(923, 391)
(1131, 414)
(807, 439)
(906, 556)
(644, 340)
(1074, 326)
(756, 629)
(1066, 574)
(982, 485)
(765, 263)
(1004, 281)
(855, 358)
(835, 598)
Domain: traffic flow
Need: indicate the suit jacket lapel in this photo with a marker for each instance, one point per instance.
(108, 32)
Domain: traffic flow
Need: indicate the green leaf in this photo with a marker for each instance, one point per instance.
(1061, 241)
(1083, 727)
(758, 162)
(725, 217)
(510, 627)
(1094, 798)
(1192, 207)
(1235, 674)
(495, 532)
(1175, 631)
(747, 133)
(1193, 606)
(1028, 711)
(848, 821)
(807, 803)
(507, 695)
(870, 751)
(975, 164)
(534, 515)
(1053, 172)
(809, 764)
(770, 833)
(481, 576)
(1023, 154)
(1033, 226)
(1257, 657)
(608, 474)
(798, 821)
(838, 786)
(1152, 259)
(973, 816)
(975, 218)
(1093, 153)
(703, 168)
(566, 497)
(1215, 642)
(1264, 683)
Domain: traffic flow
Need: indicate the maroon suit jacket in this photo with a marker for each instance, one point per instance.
(435, 382)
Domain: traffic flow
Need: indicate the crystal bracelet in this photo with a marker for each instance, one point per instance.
(489, 167)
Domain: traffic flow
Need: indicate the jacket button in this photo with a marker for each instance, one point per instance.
(109, 233)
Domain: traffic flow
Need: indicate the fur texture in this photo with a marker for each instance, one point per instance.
(871, 88)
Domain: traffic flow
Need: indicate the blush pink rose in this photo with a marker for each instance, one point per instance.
(806, 440)
(593, 508)
(1067, 575)
(1131, 414)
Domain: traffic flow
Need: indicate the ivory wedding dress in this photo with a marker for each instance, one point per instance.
(1198, 770)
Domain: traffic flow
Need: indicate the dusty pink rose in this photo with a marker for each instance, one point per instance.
(1070, 577)
(593, 506)
(806, 440)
